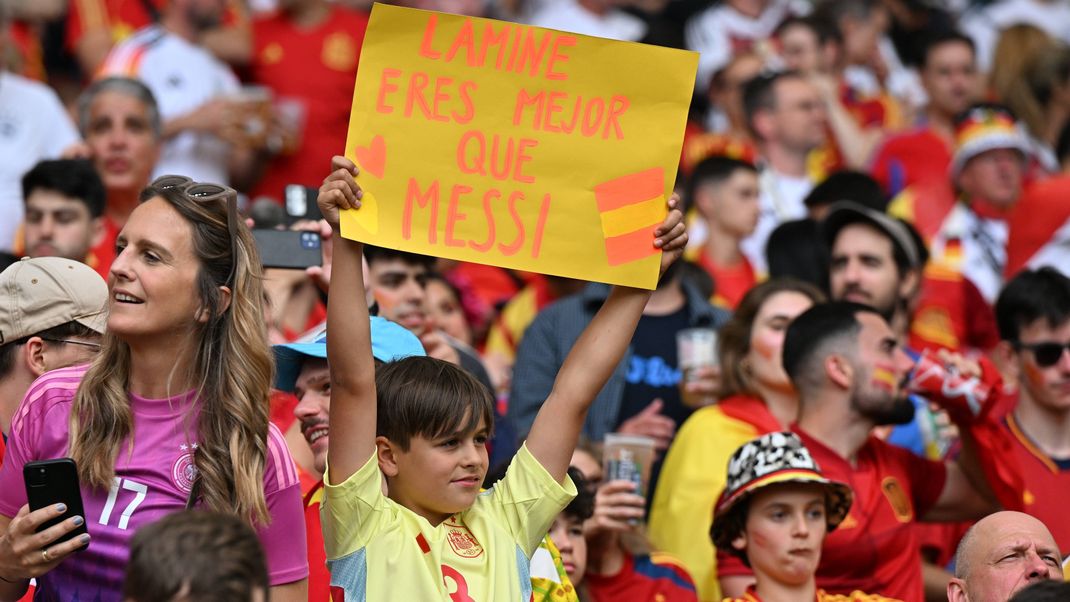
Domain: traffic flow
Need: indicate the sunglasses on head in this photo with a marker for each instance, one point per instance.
(1046, 354)
(207, 192)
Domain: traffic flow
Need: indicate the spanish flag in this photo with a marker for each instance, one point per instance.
(631, 207)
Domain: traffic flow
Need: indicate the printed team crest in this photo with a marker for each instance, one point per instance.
(901, 506)
(184, 471)
(462, 541)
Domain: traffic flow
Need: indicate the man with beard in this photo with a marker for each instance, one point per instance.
(875, 260)
(848, 369)
(643, 395)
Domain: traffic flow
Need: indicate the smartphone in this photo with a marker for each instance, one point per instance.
(301, 202)
(288, 249)
(50, 482)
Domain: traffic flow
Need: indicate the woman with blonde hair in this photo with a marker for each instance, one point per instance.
(172, 414)
(756, 397)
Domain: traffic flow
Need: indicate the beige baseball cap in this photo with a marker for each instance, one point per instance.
(44, 292)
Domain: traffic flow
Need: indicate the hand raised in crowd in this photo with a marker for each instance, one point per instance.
(651, 423)
(436, 345)
(617, 509)
(701, 387)
(671, 234)
(339, 190)
(24, 553)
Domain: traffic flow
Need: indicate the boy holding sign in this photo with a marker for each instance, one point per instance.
(422, 424)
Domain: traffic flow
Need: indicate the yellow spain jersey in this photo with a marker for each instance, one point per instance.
(379, 550)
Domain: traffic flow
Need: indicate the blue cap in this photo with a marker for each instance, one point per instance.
(390, 342)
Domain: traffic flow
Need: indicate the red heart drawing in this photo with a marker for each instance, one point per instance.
(373, 159)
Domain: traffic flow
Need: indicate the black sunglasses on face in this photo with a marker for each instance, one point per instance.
(207, 192)
(1047, 353)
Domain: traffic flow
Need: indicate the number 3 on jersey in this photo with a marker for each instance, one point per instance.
(139, 490)
(461, 595)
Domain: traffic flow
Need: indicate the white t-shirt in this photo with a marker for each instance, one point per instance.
(720, 31)
(568, 15)
(34, 126)
(182, 77)
(984, 24)
(781, 199)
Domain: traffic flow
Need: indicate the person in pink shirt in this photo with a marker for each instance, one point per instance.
(173, 412)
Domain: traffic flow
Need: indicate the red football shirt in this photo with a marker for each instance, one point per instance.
(1046, 482)
(875, 549)
(319, 578)
(731, 282)
(911, 157)
(312, 74)
(655, 577)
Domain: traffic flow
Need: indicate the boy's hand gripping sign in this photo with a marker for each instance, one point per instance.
(516, 146)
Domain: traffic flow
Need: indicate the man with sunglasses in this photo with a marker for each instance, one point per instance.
(1033, 315)
(53, 316)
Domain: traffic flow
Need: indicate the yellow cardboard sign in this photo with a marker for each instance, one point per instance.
(516, 146)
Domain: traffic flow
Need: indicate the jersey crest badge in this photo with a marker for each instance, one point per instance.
(462, 541)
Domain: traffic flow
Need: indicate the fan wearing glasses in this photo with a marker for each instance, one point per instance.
(1033, 315)
(171, 414)
(52, 316)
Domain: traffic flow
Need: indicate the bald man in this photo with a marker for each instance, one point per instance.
(1001, 554)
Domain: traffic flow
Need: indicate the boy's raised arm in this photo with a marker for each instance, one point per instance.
(593, 358)
(349, 347)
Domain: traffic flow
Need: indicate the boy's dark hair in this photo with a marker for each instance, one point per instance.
(941, 38)
(833, 11)
(73, 178)
(195, 555)
(824, 31)
(1043, 591)
(373, 254)
(63, 331)
(791, 252)
(735, 524)
(848, 185)
(1031, 295)
(714, 170)
(430, 398)
(815, 333)
(582, 506)
(759, 94)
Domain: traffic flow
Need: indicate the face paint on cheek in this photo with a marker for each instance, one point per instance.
(764, 348)
(884, 378)
(1033, 374)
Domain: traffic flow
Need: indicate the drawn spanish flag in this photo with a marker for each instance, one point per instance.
(884, 378)
(631, 207)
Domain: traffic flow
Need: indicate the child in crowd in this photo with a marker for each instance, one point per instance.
(724, 191)
(196, 556)
(567, 534)
(422, 425)
(774, 514)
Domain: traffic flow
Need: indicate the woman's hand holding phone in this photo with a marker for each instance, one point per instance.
(26, 553)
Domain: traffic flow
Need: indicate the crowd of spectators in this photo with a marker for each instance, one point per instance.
(876, 196)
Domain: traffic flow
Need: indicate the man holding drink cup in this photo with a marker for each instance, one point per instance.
(851, 376)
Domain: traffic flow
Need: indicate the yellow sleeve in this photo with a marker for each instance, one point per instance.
(691, 480)
(353, 511)
(526, 500)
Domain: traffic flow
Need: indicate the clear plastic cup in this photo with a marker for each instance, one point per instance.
(695, 348)
(628, 458)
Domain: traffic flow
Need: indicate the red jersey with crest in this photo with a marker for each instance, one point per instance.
(875, 548)
(311, 72)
